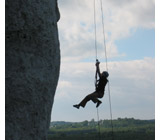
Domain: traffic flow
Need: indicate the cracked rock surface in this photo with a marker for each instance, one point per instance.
(32, 64)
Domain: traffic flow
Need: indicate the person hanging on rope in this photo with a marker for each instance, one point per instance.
(100, 87)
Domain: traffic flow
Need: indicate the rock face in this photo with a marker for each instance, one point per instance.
(32, 67)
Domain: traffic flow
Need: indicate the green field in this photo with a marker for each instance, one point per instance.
(123, 129)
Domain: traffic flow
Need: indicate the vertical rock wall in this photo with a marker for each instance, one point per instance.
(32, 67)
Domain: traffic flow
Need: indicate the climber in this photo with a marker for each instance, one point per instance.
(100, 87)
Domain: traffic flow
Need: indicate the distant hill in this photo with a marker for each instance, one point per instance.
(123, 129)
(120, 122)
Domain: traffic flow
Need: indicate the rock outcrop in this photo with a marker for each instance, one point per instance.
(32, 66)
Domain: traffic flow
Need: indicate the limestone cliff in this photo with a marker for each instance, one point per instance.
(32, 67)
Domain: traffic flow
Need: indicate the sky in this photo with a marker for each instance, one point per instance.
(129, 28)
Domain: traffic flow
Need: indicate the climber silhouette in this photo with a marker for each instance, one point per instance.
(100, 87)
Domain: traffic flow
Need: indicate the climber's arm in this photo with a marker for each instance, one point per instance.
(97, 68)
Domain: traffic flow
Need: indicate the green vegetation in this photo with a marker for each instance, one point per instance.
(123, 129)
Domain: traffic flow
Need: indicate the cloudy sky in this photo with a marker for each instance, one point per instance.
(130, 47)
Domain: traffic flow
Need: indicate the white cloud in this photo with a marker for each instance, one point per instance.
(121, 18)
(62, 87)
(64, 84)
(131, 85)
(131, 82)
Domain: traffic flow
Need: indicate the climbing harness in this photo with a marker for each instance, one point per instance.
(106, 61)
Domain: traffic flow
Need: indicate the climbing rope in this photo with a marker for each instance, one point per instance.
(110, 105)
(95, 35)
(104, 41)
(95, 32)
(104, 38)
(99, 134)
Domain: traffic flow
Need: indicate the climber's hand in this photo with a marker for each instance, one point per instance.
(97, 62)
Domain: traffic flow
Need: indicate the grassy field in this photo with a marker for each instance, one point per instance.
(123, 129)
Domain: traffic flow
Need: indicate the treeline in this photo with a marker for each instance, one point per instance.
(123, 129)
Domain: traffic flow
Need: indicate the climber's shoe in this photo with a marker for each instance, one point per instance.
(99, 102)
(76, 106)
